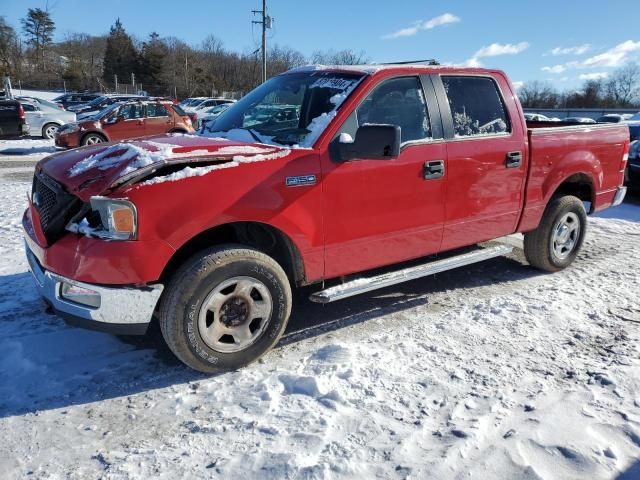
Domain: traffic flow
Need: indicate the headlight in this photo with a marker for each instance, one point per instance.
(119, 217)
(118, 220)
(69, 128)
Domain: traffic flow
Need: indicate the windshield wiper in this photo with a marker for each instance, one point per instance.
(253, 134)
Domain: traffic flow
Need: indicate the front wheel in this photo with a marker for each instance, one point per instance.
(92, 139)
(225, 308)
(556, 242)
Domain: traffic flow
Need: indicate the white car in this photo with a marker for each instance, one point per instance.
(44, 117)
(536, 117)
(200, 104)
(211, 113)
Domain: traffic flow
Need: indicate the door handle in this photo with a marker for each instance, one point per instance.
(433, 169)
(514, 159)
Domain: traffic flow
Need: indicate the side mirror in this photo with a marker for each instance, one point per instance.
(372, 142)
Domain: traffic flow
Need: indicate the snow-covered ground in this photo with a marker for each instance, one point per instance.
(490, 371)
(43, 94)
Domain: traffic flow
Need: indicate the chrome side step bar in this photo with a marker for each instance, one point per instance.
(362, 285)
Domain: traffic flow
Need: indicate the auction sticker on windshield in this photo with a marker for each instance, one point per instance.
(332, 82)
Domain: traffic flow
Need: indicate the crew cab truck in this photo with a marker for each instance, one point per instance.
(210, 233)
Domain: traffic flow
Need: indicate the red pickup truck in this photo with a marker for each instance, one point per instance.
(318, 174)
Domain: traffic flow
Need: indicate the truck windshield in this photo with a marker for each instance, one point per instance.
(291, 109)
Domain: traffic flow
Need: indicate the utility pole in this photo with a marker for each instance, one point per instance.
(115, 81)
(266, 23)
(133, 83)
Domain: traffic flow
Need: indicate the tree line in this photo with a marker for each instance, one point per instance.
(620, 90)
(158, 65)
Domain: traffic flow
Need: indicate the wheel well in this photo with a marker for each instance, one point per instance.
(579, 185)
(260, 236)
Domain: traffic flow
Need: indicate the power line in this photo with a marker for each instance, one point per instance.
(266, 23)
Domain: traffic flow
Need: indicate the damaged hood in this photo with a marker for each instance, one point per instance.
(98, 168)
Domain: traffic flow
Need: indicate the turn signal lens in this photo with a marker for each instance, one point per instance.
(123, 220)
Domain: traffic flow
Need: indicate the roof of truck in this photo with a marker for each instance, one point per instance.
(370, 69)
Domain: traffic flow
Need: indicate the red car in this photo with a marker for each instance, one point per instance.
(380, 164)
(123, 121)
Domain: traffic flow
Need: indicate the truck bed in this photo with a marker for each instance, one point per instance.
(555, 149)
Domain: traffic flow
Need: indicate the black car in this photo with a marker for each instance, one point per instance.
(13, 122)
(71, 99)
(102, 102)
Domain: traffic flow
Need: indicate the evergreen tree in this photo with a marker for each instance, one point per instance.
(120, 56)
(38, 27)
(152, 62)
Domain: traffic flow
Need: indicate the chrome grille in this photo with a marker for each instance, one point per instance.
(44, 199)
(55, 206)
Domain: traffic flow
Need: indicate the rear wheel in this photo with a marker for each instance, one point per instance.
(225, 308)
(558, 239)
(92, 139)
(49, 130)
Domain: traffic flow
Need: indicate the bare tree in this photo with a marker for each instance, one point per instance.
(538, 95)
(341, 57)
(623, 89)
(10, 51)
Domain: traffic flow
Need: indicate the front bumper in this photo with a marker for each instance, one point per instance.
(67, 140)
(121, 310)
(619, 197)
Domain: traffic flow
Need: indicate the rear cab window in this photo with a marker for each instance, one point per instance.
(477, 107)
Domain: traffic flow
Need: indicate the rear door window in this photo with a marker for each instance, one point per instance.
(476, 106)
(131, 111)
(157, 110)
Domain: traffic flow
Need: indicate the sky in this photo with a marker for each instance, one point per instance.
(561, 41)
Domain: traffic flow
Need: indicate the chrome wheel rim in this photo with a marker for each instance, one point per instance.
(93, 139)
(565, 235)
(235, 314)
(50, 131)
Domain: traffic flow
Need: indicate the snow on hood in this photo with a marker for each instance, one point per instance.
(246, 155)
(92, 170)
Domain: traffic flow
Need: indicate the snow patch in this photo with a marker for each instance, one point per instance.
(236, 161)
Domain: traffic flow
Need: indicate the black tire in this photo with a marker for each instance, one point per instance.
(539, 244)
(183, 302)
(47, 127)
(96, 137)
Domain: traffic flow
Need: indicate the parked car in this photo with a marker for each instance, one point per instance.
(610, 118)
(383, 165)
(45, 118)
(536, 117)
(13, 122)
(633, 168)
(211, 113)
(101, 103)
(633, 123)
(578, 120)
(197, 104)
(212, 102)
(73, 99)
(40, 101)
(191, 101)
(125, 120)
